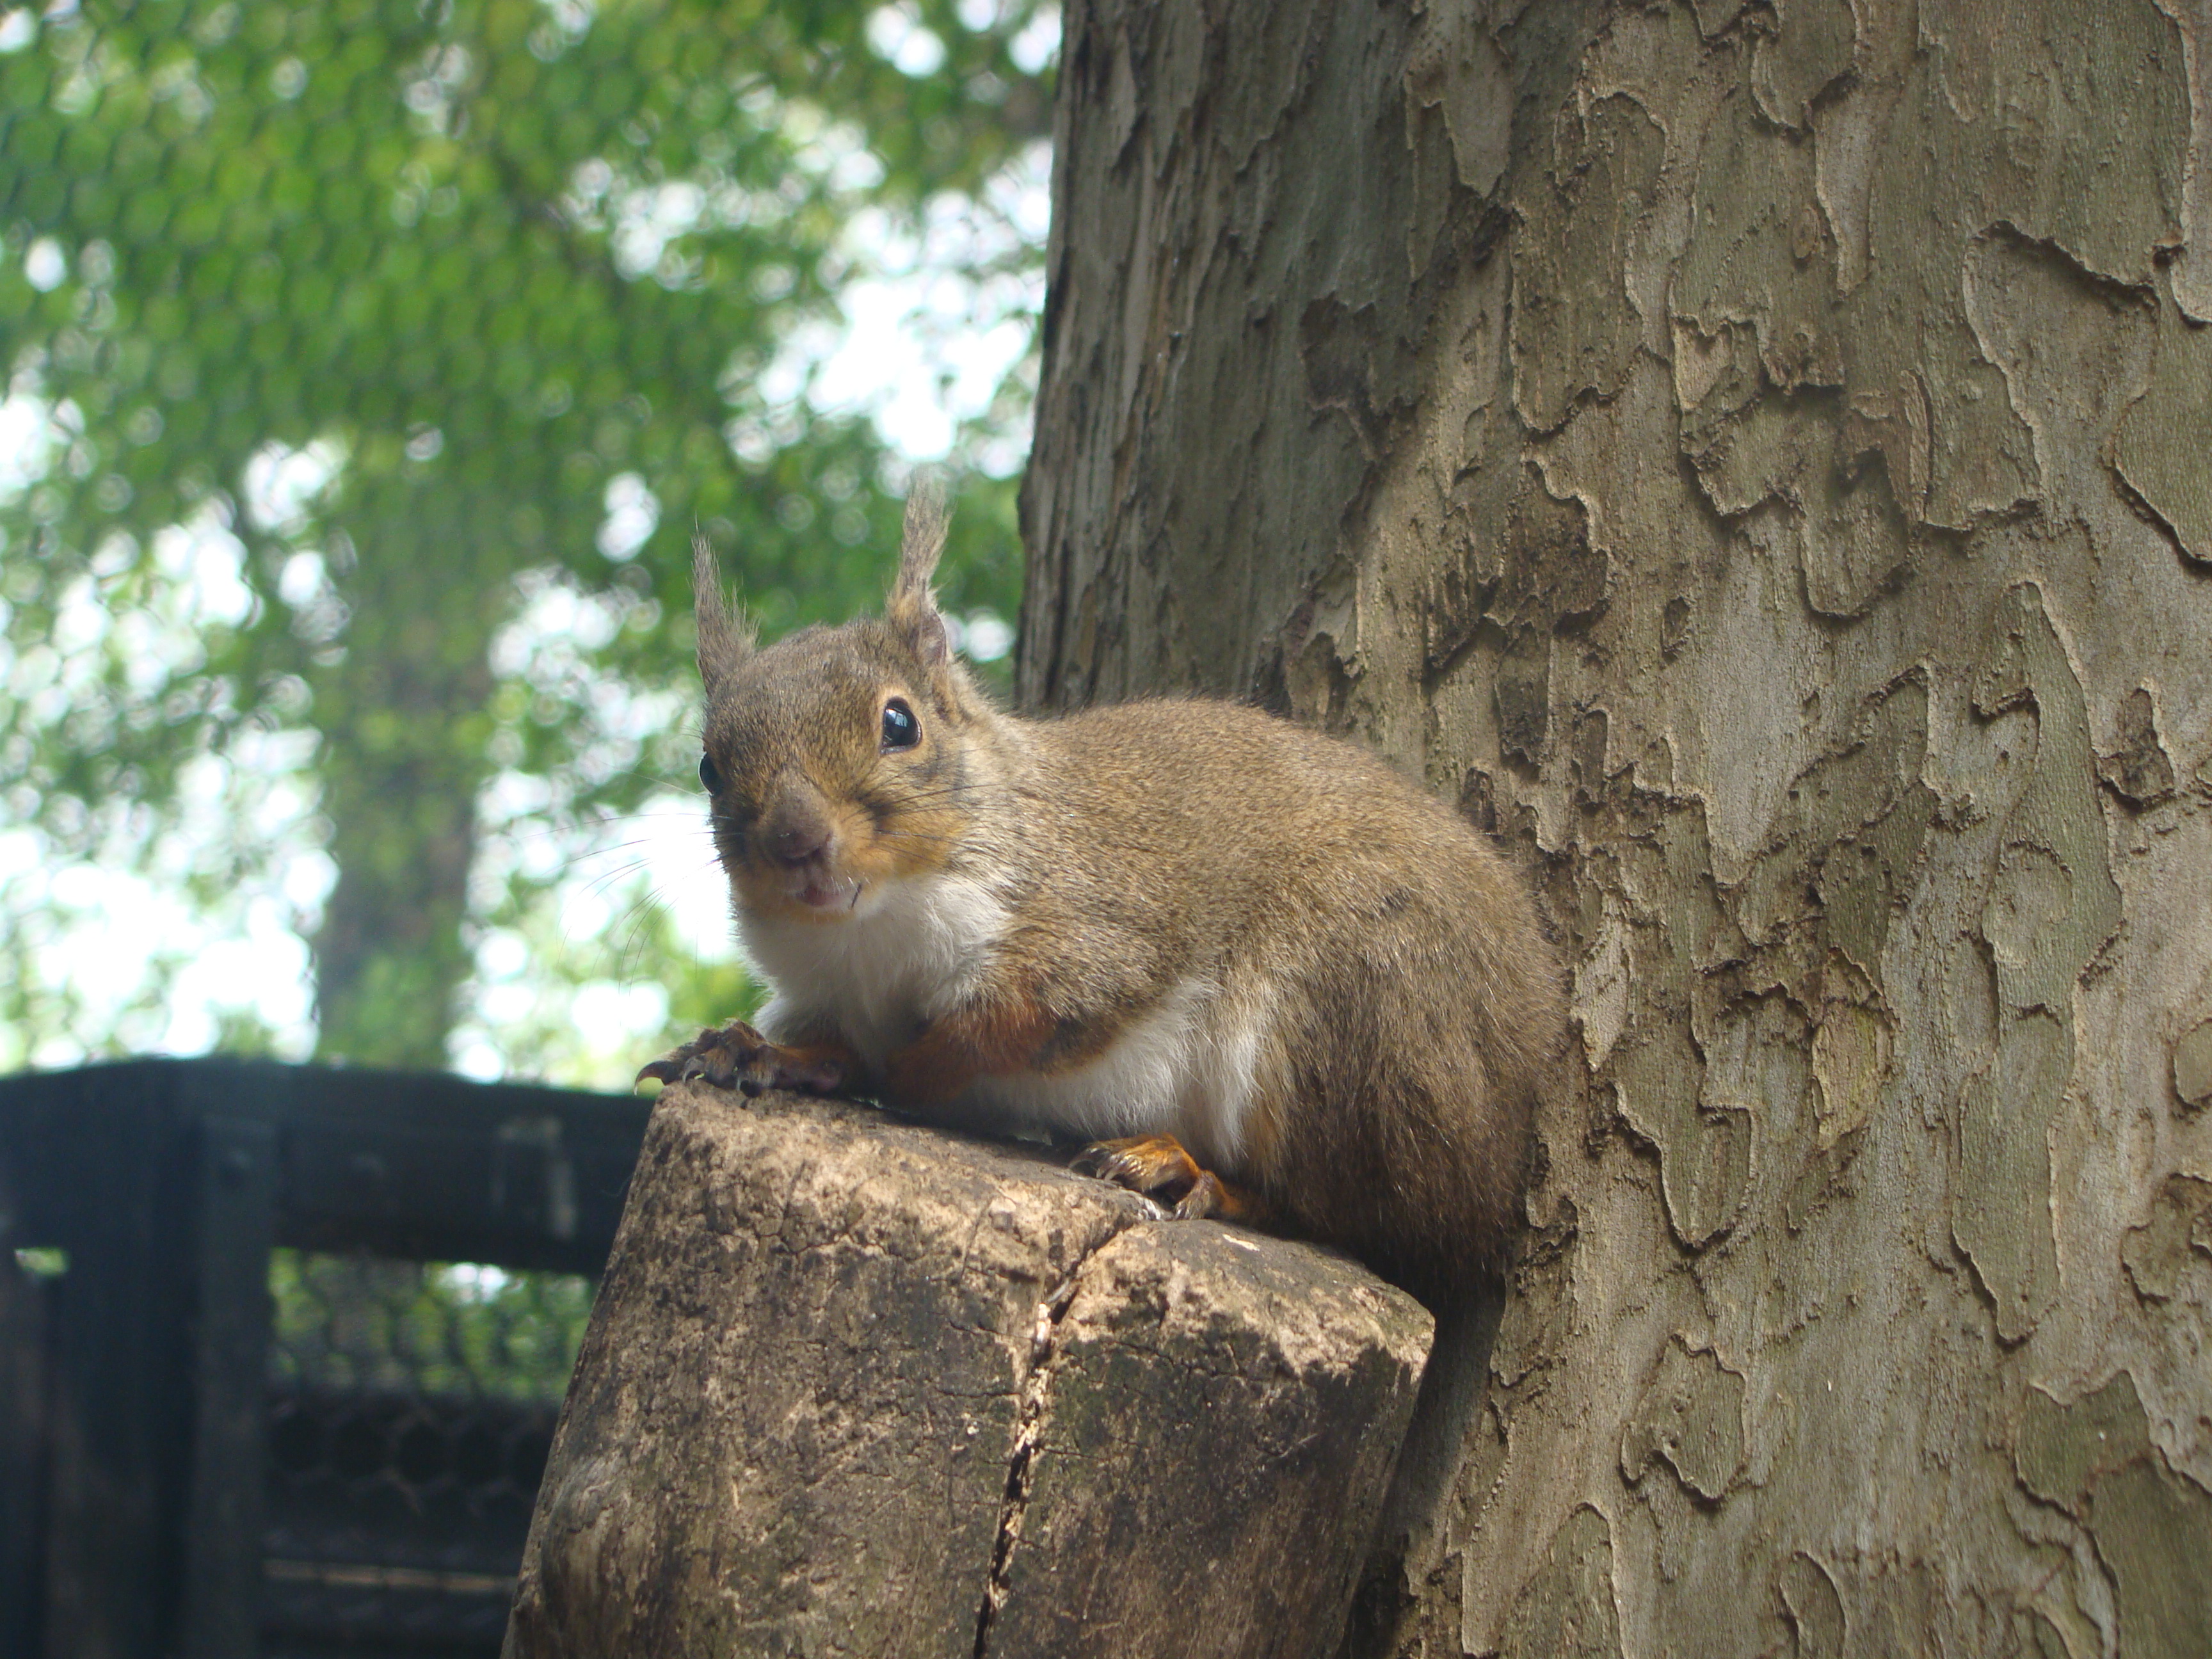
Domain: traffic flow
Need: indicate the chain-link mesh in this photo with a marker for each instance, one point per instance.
(361, 1323)
(411, 1406)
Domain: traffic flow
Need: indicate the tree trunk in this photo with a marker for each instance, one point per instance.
(1753, 460)
(407, 735)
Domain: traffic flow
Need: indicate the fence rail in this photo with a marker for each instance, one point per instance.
(190, 1465)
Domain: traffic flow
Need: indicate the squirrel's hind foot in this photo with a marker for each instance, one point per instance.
(736, 1056)
(1159, 1168)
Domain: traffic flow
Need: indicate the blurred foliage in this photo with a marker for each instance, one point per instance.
(351, 1324)
(422, 307)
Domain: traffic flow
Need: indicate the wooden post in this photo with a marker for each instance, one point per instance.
(855, 1385)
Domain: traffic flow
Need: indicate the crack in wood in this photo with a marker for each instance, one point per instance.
(1029, 1422)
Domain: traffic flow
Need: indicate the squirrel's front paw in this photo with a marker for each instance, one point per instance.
(736, 1056)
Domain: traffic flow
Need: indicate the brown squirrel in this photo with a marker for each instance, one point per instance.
(1266, 977)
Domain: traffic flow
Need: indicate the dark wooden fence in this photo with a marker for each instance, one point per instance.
(165, 1489)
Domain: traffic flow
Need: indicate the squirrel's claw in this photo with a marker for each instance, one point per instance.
(1204, 1198)
(1149, 1164)
(1143, 1164)
(1158, 1168)
(736, 1056)
(687, 1060)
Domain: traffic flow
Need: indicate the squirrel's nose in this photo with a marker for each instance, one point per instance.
(796, 837)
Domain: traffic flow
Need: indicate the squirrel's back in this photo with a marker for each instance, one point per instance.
(1380, 963)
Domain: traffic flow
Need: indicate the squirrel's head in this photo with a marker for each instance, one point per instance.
(838, 760)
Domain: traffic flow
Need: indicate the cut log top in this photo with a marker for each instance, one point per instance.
(858, 1386)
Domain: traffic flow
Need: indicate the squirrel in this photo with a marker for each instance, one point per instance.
(1268, 979)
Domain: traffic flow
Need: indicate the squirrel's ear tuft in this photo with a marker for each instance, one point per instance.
(912, 609)
(725, 640)
(926, 516)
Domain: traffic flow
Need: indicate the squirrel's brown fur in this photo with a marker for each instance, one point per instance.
(1169, 918)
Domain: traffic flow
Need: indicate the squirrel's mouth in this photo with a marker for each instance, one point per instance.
(819, 889)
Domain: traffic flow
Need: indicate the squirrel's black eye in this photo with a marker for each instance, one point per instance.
(710, 774)
(901, 729)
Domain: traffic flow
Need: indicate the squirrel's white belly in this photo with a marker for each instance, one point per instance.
(910, 952)
(1183, 1068)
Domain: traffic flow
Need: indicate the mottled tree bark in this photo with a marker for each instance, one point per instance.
(1755, 460)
